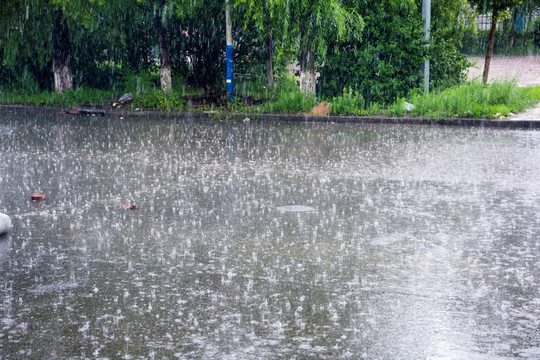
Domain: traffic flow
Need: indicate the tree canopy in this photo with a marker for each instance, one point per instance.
(373, 47)
(496, 8)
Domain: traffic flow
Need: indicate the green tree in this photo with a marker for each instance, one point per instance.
(450, 21)
(163, 11)
(198, 44)
(386, 63)
(497, 9)
(525, 9)
(271, 18)
(314, 24)
(118, 45)
(37, 33)
(38, 28)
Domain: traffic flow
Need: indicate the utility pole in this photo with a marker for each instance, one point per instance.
(426, 18)
(229, 52)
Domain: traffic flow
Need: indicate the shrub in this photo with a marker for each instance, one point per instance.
(350, 103)
(154, 99)
(397, 108)
(386, 64)
(140, 82)
(287, 98)
(292, 102)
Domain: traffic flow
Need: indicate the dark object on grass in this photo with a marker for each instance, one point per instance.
(86, 111)
(124, 99)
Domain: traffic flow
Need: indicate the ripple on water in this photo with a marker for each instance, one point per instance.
(295, 208)
(53, 288)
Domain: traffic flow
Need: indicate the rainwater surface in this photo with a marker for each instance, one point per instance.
(267, 240)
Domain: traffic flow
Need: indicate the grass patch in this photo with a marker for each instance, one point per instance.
(288, 98)
(470, 100)
(156, 100)
(475, 100)
(397, 108)
(349, 103)
(151, 98)
(68, 99)
(292, 103)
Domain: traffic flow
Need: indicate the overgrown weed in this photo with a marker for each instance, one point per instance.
(476, 100)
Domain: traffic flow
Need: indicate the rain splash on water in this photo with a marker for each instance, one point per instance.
(254, 240)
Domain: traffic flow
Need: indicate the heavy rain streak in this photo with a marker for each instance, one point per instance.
(267, 240)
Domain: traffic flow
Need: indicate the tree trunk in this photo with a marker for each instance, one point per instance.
(513, 28)
(165, 76)
(308, 78)
(63, 80)
(303, 67)
(312, 77)
(490, 45)
(269, 62)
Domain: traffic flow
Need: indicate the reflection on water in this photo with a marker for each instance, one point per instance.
(268, 241)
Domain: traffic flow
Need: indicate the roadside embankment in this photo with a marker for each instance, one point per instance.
(521, 121)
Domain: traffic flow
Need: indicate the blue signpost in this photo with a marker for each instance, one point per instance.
(230, 72)
(229, 52)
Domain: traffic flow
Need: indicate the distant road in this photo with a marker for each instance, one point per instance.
(525, 69)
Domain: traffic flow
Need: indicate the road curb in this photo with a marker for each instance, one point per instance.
(526, 124)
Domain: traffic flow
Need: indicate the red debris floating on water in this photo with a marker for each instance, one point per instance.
(37, 197)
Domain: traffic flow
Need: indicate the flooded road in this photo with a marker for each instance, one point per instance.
(267, 241)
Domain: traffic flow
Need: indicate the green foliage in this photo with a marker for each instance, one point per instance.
(318, 22)
(525, 43)
(320, 25)
(494, 6)
(373, 49)
(151, 98)
(255, 87)
(155, 100)
(269, 20)
(470, 100)
(397, 108)
(80, 96)
(24, 48)
(536, 33)
(198, 43)
(349, 103)
(119, 45)
(386, 64)
(373, 109)
(447, 65)
(476, 100)
(293, 102)
(287, 98)
(141, 82)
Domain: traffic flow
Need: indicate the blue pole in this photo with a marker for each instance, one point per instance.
(229, 52)
(230, 72)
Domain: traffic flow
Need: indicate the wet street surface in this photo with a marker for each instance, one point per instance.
(267, 241)
(525, 70)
